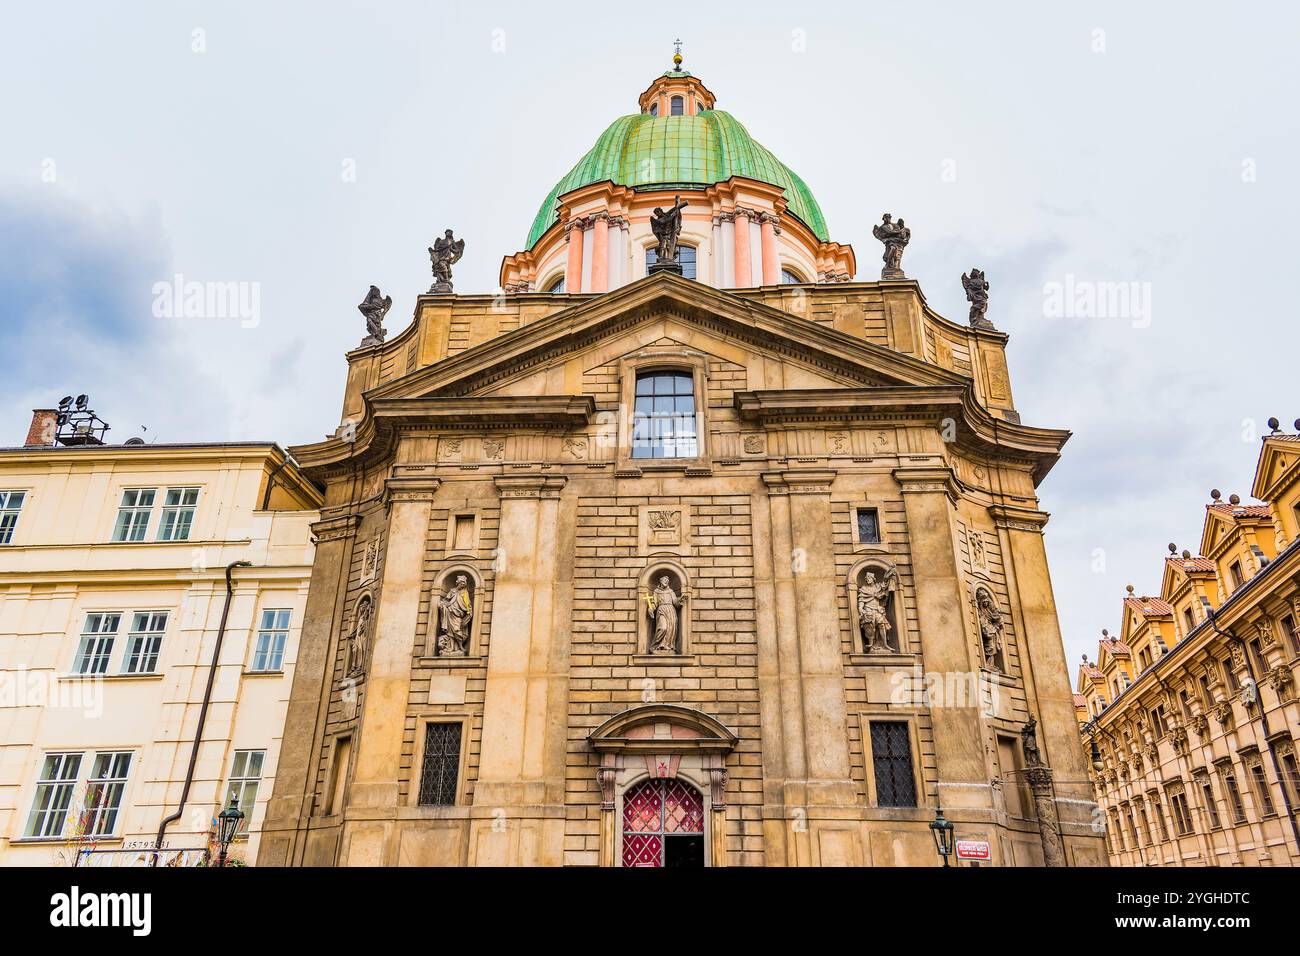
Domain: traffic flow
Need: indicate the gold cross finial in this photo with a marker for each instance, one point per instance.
(677, 53)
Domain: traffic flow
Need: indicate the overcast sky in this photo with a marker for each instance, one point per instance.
(310, 149)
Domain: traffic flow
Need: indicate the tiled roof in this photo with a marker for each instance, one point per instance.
(1193, 564)
(1148, 606)
(1091, 672)
(1240, 511)
(1116, 648)
(1080, 700)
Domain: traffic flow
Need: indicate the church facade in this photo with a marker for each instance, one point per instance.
(736, 561)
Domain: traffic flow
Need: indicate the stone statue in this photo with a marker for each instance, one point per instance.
(977, 293)
(1029, 742)
(895, 236)
(662, 605)
(667, 226)
(873, 607)
(374, 308)
(455, 613)
(990, 620)
(443, 254)
(359, 645)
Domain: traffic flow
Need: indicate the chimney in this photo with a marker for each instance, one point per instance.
(44, 423)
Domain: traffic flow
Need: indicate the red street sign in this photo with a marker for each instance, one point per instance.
(973, 850)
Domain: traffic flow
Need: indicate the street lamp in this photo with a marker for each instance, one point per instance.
(1097, 763)
(228, 821)
(943, 834)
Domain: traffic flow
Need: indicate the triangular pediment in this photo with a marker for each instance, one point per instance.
(1279, 465)
(666, 306)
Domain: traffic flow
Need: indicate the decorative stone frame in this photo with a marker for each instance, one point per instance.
(880, 547)
(332, 782)
(662, 740)
(422, 721)
(441, 580)
(684, 360)
(450, 550)
(645, 630)
(878, 561)
(865, 720)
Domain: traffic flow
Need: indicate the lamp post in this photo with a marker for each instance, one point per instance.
(943, 834)
(228, 821)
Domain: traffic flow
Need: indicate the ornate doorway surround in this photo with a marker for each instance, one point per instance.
(674, 744)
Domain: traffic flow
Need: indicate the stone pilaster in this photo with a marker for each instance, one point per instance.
(373, 793)
(291, 803)
(929, 494)
(521, 765)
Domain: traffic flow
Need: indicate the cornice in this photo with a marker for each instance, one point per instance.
(530, 486)
(799, 481)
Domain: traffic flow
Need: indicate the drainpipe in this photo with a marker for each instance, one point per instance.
(203, 710)
(1263, 720)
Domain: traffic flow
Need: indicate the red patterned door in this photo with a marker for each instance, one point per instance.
(663, 824)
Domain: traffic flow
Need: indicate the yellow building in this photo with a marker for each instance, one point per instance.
(1191, 707)
(728, 560)
(113, 591)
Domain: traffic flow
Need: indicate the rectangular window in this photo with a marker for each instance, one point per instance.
(1257, 657)
(245, 777)
(133, 514)
(1234, 570)
(1288, 631)
(1189, 618)
(53, 795)
(1234, 795)
(891, 756)
(1207, 698)
(96, 644)
(685, 256)
(441, 767)
(342, 752)
(663, 419)
(1230, 675)
(1159, 813)
(271, 638)
(1144, 658)
(178, 514)
(1182, 818)
(1259, 783)
(868, 526)
(1290, 774)
(1158, 721)
(11, 502)
(1211, 808)
(104, 791)
(144, 643)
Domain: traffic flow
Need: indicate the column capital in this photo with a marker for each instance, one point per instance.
(799, 481)
(928, 479)
(1019, 519)
(336, 528)
(530, 486)
(410, 488)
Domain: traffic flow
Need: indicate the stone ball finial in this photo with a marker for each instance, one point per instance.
(1273, 424)
(1215, 494)
(1234, 499)
(1187, 555)
(1105, 633)
(1129, 589)
(1173, 548)
(1296, 424)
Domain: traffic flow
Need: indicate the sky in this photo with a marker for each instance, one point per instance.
(302, 151)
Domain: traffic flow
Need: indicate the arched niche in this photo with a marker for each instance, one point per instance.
(664, 742)
(455, 613)
(361, 630)
(873, 588)
(990, 624)
(654, 607)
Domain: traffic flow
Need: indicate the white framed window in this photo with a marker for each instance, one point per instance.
(178, 514)
(663, 420)
(11, 502)
(53, 797)
(133, 514)
(144, 642)
(271, 638)
(245, 778)
(96, 645)
(97, 813)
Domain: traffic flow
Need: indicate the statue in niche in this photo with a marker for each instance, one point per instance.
(359, 644)
(663, 605)
(895, 236)
(990, 621)
(374, 308)
(455, 614)
(873, 609)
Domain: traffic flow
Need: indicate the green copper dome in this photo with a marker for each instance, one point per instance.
(687, 151)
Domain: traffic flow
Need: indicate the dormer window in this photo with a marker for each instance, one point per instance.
(676, 106)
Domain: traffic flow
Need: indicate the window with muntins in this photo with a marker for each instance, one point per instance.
(96, 645)
(11, 502)
(178, 514)
(54, 788)
(686, 258)
(663, 419)
(245, 778)
(144, 642)
(663, 825)
(441, 766)
(891, 756)
(133, 514)
(271, 638)
(868, 526)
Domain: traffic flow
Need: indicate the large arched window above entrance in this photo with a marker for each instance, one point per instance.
(663, 825)
(686, 257)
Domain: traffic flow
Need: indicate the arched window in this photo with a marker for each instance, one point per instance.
(663, 419)
(790, 278)
(654, 109)
(675, 106)
(663, 824)
(557, 285)
(685, 256)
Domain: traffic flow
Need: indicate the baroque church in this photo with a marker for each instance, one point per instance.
(689, 549)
